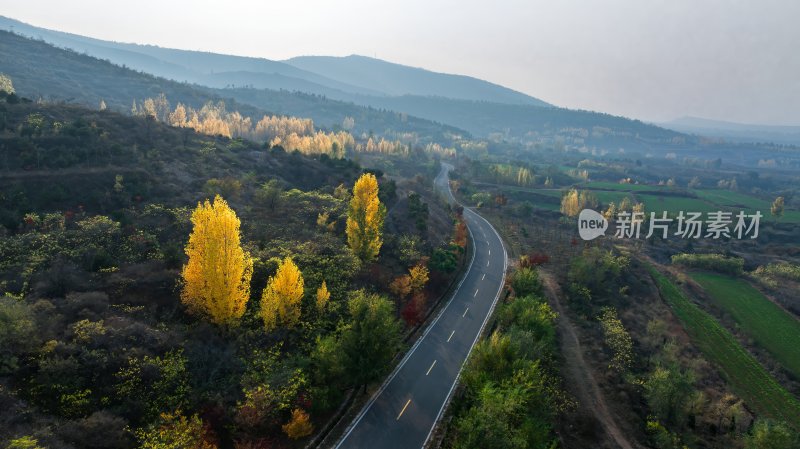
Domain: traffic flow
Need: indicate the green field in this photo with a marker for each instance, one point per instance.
(606, 197)
(708, 200)
(770, 326)
(606, 185)
(737, 201)
(733, 199)
(675, 204)
(746, 377)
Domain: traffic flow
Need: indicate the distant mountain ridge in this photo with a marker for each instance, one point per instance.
(736, 132)
(365, 89)
(351, 75)
(397, 80)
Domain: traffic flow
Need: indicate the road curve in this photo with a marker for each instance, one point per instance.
(404, 411)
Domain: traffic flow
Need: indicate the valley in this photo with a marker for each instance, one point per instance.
(200, 250)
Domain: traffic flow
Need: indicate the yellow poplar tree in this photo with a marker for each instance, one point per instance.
(365, 218)
(323, 295)
(217, 276)
(570, 204)
(280, 302)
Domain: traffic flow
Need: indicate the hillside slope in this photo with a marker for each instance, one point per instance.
(397, 79)
(95, 210)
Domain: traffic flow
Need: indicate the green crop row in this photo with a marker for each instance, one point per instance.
(746, 377)
(770, 326)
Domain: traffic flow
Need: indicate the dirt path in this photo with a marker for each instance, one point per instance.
(578, 374)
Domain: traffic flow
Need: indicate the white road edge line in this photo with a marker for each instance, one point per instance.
(410, 352)
(483, 325)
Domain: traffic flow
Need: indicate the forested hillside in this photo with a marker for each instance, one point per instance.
(106, 342)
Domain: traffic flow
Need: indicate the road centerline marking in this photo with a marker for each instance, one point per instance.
(487, 262)
(476, 293)
(473, 219)
(403, 411)
(465, 312)
(429, 369)
(451, 335)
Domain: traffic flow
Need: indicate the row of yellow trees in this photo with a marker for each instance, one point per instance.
(217, 275)
(292, 133)
(574, 201)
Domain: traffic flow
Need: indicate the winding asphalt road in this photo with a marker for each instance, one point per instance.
(404, 411)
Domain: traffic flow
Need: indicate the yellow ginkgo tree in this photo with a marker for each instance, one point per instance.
(216, 280)
(365, 218)
(280, 302)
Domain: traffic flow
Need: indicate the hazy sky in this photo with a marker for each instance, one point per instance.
(648, 59)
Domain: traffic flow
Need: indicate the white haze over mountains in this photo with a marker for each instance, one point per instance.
(728, 60)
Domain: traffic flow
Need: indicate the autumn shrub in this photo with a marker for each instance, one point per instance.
(24, 442)
(618, 339)
(259, 411)
(597, 271)
(525, 282)
(414, 309)
(401, 286)
(533, 260)
(176, 431)
(299, 426)
(772, 274)
(712, 262)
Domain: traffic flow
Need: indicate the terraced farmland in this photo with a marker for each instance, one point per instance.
(747, 378)
(770, 326)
